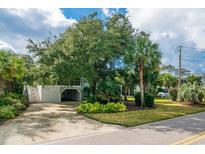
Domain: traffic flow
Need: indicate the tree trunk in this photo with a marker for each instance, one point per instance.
(141, 85)
(125, 94)
(93, 88)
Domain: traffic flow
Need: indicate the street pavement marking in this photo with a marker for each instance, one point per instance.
(197, 139)
(190, 139)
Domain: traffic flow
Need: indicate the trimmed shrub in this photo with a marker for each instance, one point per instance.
(7, 112)
(149, 99)
(110, 107)
(173, 93)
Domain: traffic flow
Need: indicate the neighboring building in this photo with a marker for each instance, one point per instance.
(175, 72)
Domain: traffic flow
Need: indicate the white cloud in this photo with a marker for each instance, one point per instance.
(17, 25)
(4, 45)
(55, 18)
(106, 11)
(170, 28)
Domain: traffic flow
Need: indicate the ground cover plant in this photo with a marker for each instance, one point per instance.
(110, 107)
(11, 104)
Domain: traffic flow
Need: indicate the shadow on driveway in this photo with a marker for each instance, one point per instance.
(44, 121)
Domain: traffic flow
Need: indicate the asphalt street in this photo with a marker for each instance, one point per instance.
(188, 129)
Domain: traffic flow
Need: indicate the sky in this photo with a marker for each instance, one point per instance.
(168, 27)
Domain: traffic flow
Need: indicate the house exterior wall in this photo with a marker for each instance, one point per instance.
(34, 93)
(51, 94)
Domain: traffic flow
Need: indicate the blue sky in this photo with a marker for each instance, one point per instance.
(77, 13)
(168, 27)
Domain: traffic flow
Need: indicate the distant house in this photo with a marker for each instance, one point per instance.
(175, 72)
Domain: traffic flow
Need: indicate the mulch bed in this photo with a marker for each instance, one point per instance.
(132, 107)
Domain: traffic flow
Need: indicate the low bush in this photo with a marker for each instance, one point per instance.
(193, 93)
(16, 97)
(173, 93)
(7, 112)
(5, 101)
(110, 107)
(149, 99)
(13, 95)
(113, 107)
(11, 104)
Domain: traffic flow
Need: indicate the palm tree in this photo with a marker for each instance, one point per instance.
(125, 77)
(146, 54)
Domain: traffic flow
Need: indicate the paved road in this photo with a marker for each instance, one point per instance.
(182, 130)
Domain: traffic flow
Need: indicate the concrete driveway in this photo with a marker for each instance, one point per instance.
(46, 122)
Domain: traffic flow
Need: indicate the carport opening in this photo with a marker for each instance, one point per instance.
(70, 95)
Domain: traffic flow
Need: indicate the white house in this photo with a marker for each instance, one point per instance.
(54, 93)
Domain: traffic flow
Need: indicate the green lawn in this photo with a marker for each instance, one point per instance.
(164, 109)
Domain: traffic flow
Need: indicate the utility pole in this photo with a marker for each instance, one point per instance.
(179, 82)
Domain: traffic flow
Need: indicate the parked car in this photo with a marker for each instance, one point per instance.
(162, 94)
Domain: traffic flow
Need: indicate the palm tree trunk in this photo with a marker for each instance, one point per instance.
(125, 94)
(141, 85)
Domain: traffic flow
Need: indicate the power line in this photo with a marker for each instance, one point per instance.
(203, 49)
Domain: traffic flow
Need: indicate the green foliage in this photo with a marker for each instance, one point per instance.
(145, 58)
(126, 77)
(7, 112)
(173, 93)
(167, 80)
(13, 71)
(5, 101)
(113, 107)
(12, 98)
(91, 99)
(108, 91)
(193, 93)
(89, 49)
(110, 107)
(149, 99)
(11, 104)
(89, 108)
(13, 95)
(150, 80)
(194, 79)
